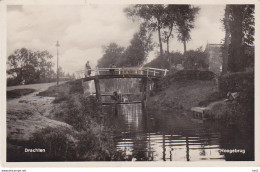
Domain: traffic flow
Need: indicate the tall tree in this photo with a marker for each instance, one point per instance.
(186, 18)
(136, 53)
(239, 25)
(225, 46)
(153, 15)
(112, 55)
(169, 22)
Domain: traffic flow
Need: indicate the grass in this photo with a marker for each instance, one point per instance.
(215, 96)
(55, 91)
(60, 98)
(17, 93)
(182, 95)
(90, 138)
(186, 94)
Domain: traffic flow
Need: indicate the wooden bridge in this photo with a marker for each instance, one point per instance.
(104, 73)
(145, 73)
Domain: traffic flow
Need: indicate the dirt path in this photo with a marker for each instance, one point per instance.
(28, 114)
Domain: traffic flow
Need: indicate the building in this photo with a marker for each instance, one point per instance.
(214, 57)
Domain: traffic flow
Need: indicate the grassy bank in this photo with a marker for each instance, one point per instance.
(88, 138)
(183, 95)
(16, 93)
(185, 90)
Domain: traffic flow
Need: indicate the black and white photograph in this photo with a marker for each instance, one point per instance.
(128, 82)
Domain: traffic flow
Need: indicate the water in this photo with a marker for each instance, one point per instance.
(171, 136)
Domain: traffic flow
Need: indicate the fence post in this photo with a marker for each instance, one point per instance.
(165, 72)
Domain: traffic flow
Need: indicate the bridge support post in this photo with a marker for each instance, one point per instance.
(98, 92)
(145, 91)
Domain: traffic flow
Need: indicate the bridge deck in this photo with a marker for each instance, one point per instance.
(117, 76)
(106, 73)
(113, 103)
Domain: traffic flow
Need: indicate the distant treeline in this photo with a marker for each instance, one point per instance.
(25, 66)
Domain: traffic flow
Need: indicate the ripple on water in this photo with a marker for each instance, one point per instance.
(163, 137)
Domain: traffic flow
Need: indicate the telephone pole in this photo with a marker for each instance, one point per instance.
(57, 45)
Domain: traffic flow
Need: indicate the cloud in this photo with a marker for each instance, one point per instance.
(208, 28)
(82, 30)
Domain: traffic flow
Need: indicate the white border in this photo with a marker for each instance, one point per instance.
(123, 164)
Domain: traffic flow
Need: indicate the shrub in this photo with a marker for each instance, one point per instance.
(60, 98)
(162, 61)
(18, 93)
(240, 81)
(58, 143)
(195, 59)
(206, 75)
(76, 87)
(13, 81)
(182, 75)
(215, 96)
(192, 75)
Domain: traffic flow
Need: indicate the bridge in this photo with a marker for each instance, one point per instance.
(105, 73)
(145, 73)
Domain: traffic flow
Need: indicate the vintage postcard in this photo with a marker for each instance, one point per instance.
(129, 83)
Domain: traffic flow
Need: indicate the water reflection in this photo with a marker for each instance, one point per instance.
(171, 137)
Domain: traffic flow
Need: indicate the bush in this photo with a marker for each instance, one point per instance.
(76, 87)
(13, 81)
(193, 75)
(182, 75)
(242, 82)
(195, 59)
(162, 61)
(94, 138)
(60, 98)
(236, 82)
(18, 93)
(58, 143)
(206, 75)
(215, 96)
(186, 75)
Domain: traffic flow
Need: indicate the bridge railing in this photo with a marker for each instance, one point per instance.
(122, 71)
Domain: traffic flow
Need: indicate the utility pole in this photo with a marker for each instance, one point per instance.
(57, 45)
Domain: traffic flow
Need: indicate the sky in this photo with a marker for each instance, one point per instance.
(82, 31)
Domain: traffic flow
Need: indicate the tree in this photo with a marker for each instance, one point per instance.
(61, 73)
(163, 61)
(239, 26)
(186, 18)
(112, 55)
(224, 48)
(153, 15)
(140, 45)
(169, 21)
(28, 66)
(164, 19)
(196, 60)
(180, 18)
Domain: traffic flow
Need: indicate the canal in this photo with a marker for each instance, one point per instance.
(173, 136)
